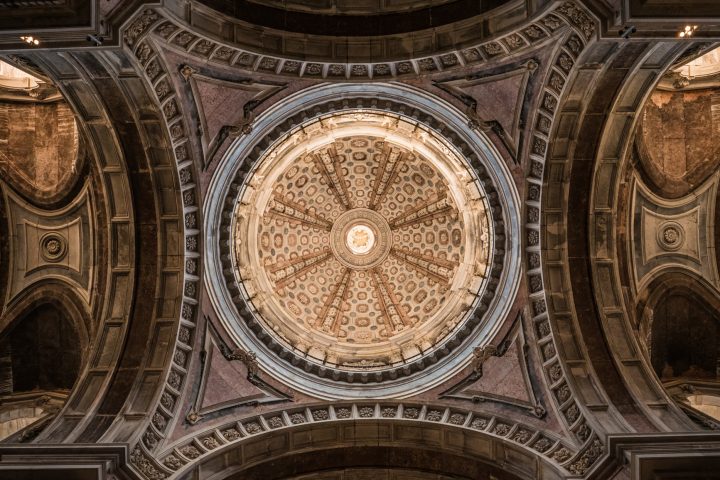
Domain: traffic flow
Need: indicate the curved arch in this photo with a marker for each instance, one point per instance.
(60, 295)
(660, 291)
(144, 251)
(360, 58)
(243, 446)
(582, 187)
(41, 343)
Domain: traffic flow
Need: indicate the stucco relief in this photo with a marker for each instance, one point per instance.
(50, 243)
(673, 233)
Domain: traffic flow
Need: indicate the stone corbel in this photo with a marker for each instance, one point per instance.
(247, 357)
(187, 71)
(243, 127)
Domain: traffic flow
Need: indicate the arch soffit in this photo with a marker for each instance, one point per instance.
(59, 295)
(674, 280)
(121, 173)
(597, 243)
(526, 452)
(678, 279)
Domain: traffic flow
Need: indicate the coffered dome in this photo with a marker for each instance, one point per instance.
(362, 242)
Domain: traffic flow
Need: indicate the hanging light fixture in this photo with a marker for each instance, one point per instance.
(30, 40)
(688, 31)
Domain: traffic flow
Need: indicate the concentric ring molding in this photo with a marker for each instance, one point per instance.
(290, 239)
(443, 119)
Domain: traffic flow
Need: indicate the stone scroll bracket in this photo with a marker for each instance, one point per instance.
(501, 374)
(229, 379)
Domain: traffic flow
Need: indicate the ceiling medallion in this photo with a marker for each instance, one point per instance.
(53, 247)
(360, 238)
(671, 236)
(364, 248)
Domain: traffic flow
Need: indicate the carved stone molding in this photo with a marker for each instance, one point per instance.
(673, 234)
(158, 77)
(542, 446)
(186, 39)
(51, 243)
(47, 461)
(666, 455)
(537, 151)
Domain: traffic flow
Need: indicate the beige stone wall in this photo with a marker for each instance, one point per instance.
(679, 146)
(38, 144)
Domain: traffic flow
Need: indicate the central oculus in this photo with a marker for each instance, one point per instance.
(360, 239)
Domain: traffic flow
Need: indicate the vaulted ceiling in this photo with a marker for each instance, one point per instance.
(405, 240)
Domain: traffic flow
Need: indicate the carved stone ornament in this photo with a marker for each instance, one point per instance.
(671, 236)
(146, 466)
(481, 354)
(53, 247)
(588, 458)
(187, 71)
(248, 358)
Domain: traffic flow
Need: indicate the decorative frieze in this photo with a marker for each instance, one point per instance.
(543, 444)
(510, 43)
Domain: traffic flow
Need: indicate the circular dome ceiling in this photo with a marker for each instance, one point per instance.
(363, 241)
(362, 246)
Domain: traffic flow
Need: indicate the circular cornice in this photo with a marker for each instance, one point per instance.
(487, 312)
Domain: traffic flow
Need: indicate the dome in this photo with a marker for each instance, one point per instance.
(363, 249)
(362, 241)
